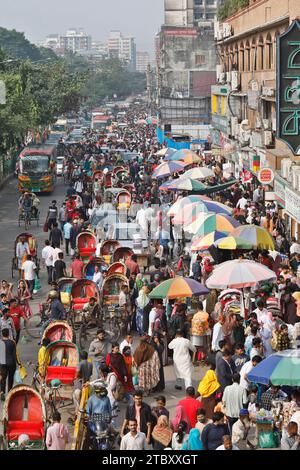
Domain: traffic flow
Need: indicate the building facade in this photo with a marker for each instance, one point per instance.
(244, 111)
(186, 63)
(75, 40)
(123, 48)
(142, 61)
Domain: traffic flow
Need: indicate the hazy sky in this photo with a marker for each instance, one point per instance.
(38, 18)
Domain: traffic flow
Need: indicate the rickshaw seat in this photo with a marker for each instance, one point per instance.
(87, 251)
(63, 373)
(79, 302)
(34, 429)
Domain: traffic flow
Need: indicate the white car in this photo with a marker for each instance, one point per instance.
(59, 166)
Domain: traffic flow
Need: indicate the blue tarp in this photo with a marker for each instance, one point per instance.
(171, 143)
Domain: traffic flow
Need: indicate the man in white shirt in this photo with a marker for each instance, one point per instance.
(217, 336)
(55, 254)
(227, 444)
(98, 277)
(261, 311)
(126, 342)
(22, 249)
(234, 399)
(141, 220)
(152, 318)
(247, 367)
(29, 272)
(295, 247)
(47, 257)
(242, 202)
(258, 194)
(134, 440)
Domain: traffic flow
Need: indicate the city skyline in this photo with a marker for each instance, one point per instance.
(138, 18)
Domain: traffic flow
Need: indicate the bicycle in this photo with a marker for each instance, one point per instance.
(53, 399)
(87, 331)
(27, 219)
(35, 323)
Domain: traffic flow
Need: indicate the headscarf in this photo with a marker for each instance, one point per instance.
(139, 281)
(117, 364)
(209, 384)
(162, 432)
(180, 415)
(143, 300)
(194, 441)
(143, 352)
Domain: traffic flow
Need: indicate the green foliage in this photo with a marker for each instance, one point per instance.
(109, 78)
(230, 7)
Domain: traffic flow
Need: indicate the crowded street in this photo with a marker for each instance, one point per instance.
(150, 232)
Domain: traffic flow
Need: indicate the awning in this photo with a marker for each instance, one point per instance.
(216, 189)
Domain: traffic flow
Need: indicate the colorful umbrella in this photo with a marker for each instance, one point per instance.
(166, 152)
(281, 368)
(184, 184)
(198, 173)
(207, 223)
(151, 120)
(189, 158)
(190, 212)
(178, 287)
(185, 201)
(239, 273)
(203, 243)
(167, 168)
(182, 153)
(258, 236)
(233, 243)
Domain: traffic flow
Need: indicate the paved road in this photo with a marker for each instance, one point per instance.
(9, 230)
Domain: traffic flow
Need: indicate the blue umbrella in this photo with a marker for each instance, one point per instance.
(281, 368)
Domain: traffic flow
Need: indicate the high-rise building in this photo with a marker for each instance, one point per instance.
(75, 40)
(142, 61)
(186, 56)
(123, 48)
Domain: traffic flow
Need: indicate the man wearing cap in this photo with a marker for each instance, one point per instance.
(243, 431)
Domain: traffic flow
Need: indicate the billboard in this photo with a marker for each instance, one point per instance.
(288, 86)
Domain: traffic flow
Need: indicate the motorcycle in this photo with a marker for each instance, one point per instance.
(102, 437)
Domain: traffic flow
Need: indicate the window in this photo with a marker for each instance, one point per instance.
(269, 52)
(248, 57)
(198, 2)
(199, 59)
(210, 16)
(210, 2)
(242, 57)
(180, 56)
(261, 54)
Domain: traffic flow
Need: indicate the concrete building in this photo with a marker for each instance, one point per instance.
(142, 61)
(186, 66)
(244, 111)
(51, 42)
(123, 48)
(75, 40)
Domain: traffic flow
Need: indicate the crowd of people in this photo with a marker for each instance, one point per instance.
(214, 340)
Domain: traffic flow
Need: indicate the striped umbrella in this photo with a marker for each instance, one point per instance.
(198, 173)
(203, 243)
(178, 287)
(213, 206)
(207, 223)
(189, 213)
(239, 273)
(166, 152)
(189, 158)
(281, 368)
(167, 169)
(258, 236)
(185, 184)
(233, 243)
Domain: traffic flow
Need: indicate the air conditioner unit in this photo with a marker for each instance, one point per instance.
(286, 164)
(268, 138)
(222, 77)
(218, 72)
(266, 124)
(267, 91)
(228, 77)
(234, 125)
(235, 80)
(227, 30)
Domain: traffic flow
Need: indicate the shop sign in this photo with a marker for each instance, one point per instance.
(181, 32)
(265, 176)
(288, 86)
(292, 204)
(279, 191)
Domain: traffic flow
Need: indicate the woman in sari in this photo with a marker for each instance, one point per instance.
(162, 434)
(6, 289)
(116, 362)
(159, 347)
(23, 297)
(208, 388)
(180, 415)
(142, 302)
(194, 441)
(128, 359)
(148, 364)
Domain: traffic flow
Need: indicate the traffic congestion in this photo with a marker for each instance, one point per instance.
(153, 298)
